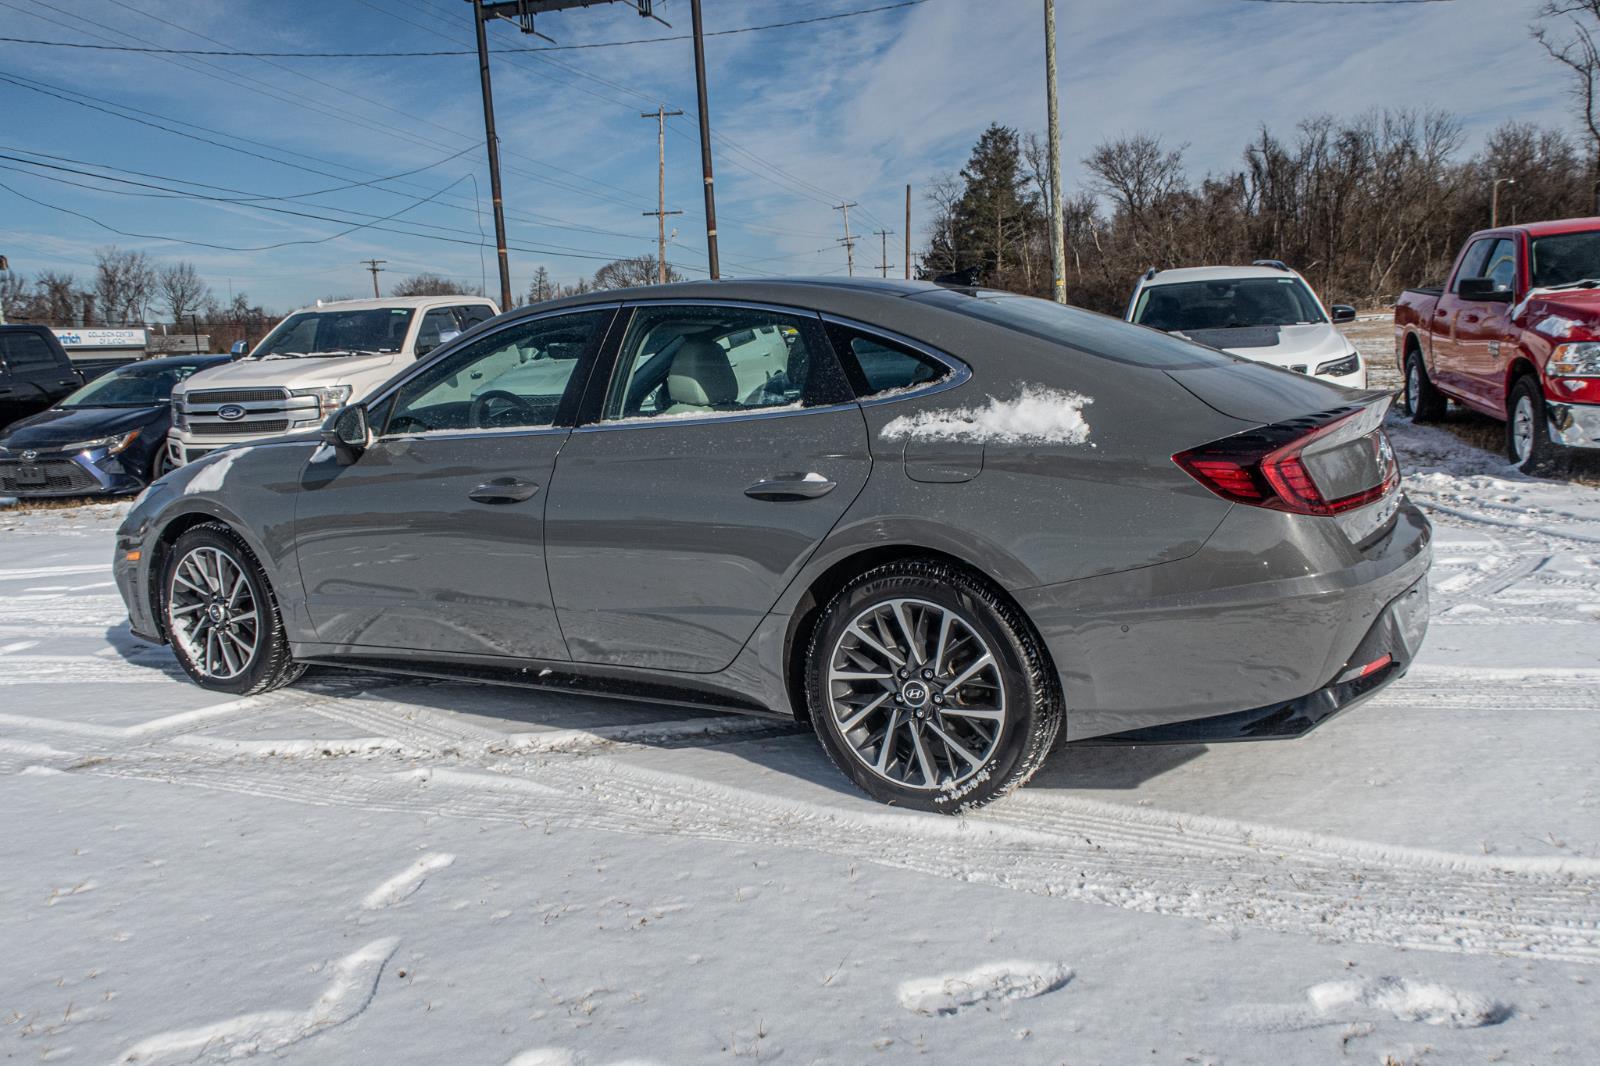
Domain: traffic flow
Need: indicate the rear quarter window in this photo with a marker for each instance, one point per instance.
(1073, 327)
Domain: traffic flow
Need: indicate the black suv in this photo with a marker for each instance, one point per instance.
(34, 371)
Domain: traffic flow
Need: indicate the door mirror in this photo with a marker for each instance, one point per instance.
(348, 433)
(1483, 290)
(1343, 313)
(239, 350)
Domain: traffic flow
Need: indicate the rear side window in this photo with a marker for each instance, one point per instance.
(472, 314)
(1084, 331)
(25, 352)
(876, 365)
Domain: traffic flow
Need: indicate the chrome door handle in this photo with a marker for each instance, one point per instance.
(791, 487)
(504, 490)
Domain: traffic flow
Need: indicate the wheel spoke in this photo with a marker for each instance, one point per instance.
(929, 778)
(898, 609)
(188, 608)
(855, 719)
(864, 637)
(887, 746)
(987, 714)
(955, 746)
(860, 675)
(227, 653)
(966, 675)
(943, 644)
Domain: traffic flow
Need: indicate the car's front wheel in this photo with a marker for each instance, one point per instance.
(221, 616)
(928, 689)
(1528, 440)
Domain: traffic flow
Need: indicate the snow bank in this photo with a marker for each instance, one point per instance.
(952, 993)
(1038, 415)
(403, 884)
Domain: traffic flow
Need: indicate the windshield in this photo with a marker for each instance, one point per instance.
(1227, 303)
(1564, 259)
(381, 329)
(131, 386)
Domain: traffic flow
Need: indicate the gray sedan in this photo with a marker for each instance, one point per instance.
(946, 527)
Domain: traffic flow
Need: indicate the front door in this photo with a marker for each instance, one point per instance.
(727, 446)
(433, 540)
(1482, 330)
(1448, 367)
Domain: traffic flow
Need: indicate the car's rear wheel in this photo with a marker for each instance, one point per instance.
(221, 616)
(161, 464)
(928, 689)
(1424, 402)
(1528, 440)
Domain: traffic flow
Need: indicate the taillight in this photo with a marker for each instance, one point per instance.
(1300, 466)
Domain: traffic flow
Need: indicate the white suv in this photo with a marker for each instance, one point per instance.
(314, 361)
(1266, 313)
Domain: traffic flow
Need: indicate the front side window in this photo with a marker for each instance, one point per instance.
(684, 361)
(513, 378)
(1226, 303)
(25, 352)
(364, 332)
(1473, 262)
(1501, 266)
(877, 365)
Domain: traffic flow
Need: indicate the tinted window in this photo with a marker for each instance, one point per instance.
(1226, 303)
(1565, 258)
(684, 361)
(1085, 331)
(1473, 262)
(877, 365)
(25, 352)
(515, 377)
(131, 386)
(471, 314)
(1501, 266)
(438, 326)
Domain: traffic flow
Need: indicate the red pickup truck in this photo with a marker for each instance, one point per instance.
(1514, 333)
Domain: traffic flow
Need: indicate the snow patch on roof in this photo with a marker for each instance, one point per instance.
(1038, 415)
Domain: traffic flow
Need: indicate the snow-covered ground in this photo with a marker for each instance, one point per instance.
(367, 869)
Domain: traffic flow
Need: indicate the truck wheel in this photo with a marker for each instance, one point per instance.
(1424, 402)
(1528, 440)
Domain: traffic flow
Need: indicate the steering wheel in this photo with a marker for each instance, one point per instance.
(484, 414)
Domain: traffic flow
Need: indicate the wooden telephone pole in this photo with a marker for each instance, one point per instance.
(883, 252)
(1058, 240)
(848, 240)
(661, 114)
(376, 267)
(908, 232)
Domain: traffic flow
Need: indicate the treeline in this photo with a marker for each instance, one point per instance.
(1363, 206)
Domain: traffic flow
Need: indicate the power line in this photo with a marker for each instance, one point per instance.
(232, 53)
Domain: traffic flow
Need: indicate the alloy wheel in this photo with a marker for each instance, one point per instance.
(212, 613)
(1522, 428)
(1413, 386)
(917, 693)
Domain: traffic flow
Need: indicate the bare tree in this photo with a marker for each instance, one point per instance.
(432, 285)
(16, 297)
(124, 282)
(57, 298)
(542, 288)
(1566, 31)
(631, 273)
(182, 290)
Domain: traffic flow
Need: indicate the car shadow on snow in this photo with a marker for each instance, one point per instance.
(1111, 767)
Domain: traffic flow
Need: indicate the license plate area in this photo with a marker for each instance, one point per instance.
(31, 476)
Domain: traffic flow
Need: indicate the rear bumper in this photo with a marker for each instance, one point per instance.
(1272, 611)
(1573, 425)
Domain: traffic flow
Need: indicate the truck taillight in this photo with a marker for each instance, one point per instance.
(1297, 467)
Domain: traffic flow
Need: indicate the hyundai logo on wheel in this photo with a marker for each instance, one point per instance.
(230, 412)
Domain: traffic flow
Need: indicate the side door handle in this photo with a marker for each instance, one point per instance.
(504, 490)
(791, 487)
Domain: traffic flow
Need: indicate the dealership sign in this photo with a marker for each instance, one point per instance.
(80, 339)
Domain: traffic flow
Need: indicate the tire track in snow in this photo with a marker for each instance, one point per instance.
(404, 884)
(1220, 872)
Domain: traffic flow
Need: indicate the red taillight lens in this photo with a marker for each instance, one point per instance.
(1270, 467)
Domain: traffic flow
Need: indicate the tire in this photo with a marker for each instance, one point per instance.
(1528, 442)
(1423, 400)
(160, 465)
(943, 754)
(219, 611)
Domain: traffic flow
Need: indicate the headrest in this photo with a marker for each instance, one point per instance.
(701, 375)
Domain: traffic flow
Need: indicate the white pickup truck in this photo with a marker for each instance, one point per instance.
(314, 361)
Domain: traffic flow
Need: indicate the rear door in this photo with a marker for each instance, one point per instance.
(433, 540)
(724, 446)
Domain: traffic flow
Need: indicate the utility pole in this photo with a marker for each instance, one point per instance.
(705, 137)
(883, 255)
(1494, 200)
(908, 232)
(493, 141)
(1058, 245)
(376, 266)
(847, 240)
(661, 114)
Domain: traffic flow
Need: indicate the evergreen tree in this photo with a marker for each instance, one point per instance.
(991, 225)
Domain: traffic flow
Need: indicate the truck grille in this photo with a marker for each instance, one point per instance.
(243, 428)
(61, 475)
(236, 396)
(266, 411)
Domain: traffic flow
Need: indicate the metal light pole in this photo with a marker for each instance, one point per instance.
(1494, 201)
(705, 138)
(1058, 246)
(494, 156)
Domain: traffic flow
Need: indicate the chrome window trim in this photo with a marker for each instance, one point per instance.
(604, 424)
(444, 351)
(959, 375)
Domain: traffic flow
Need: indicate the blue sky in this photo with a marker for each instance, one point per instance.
(847, 109)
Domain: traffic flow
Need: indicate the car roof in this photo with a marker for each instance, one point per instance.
(1216, 273)
(822, 293)
(393, 301)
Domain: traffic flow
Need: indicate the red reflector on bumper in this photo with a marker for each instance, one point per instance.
(1375, 665)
